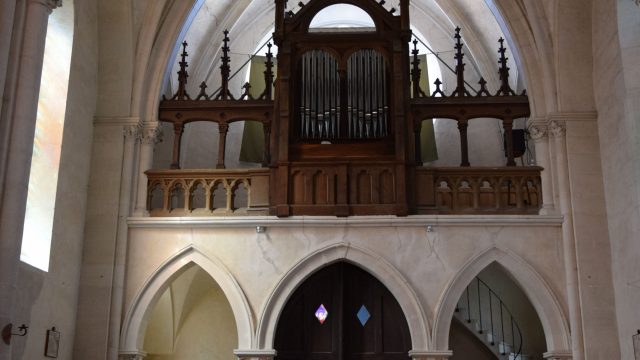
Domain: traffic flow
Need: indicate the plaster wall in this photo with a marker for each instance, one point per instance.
(616, 52)
(48, 299)
(428, 261)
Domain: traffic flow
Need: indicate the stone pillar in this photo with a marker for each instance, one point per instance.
(151, 135)
(558, 131)
(269, 354)
(558, 355)
(540, 135)
(430, 355)
(20, 149)
(131, 136)
(132, 355)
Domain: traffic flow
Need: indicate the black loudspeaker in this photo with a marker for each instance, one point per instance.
(519, 144)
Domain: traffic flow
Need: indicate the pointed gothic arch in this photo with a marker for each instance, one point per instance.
(548, 307)
(373, 263)
(136, 317)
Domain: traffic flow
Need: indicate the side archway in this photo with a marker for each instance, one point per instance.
(533, 285)
(367, 260)
(136, 317)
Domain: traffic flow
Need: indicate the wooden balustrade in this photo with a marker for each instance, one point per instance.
(455, 190)
(476, 190)
(208, 192)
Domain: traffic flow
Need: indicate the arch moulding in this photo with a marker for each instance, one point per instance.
(135, 321)
(366, 259)
(548, 308)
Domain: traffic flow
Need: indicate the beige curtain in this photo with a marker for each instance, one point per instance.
(252, 149)
(429, 151)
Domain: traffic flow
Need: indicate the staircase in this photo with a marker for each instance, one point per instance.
(482, 311)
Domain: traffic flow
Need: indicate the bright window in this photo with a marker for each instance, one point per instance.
(45, 162)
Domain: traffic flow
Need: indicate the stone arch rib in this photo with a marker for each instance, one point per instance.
(134, 324)
(547, 305)
(367, 260)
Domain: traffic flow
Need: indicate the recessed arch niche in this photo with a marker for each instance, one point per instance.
(342, 312)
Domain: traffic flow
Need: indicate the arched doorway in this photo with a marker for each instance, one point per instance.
(342, 312)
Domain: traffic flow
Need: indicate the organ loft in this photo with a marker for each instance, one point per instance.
(341, 123)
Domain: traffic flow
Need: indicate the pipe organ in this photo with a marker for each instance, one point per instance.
(342, 128)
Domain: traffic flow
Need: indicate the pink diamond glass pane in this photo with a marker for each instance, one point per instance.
(321, 314)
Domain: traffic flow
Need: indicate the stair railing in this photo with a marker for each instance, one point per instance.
(476, 289)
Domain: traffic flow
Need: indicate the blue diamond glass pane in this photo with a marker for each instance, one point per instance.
(363, 315)
(321, 313)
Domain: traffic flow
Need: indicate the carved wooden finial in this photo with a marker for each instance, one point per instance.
(268, 75)
(225, 70)
(505, 89)
(461, 90)
(438, 90)
(246, 94)
(203, 92)
(183, 75)
(483, 88)
(415, 72)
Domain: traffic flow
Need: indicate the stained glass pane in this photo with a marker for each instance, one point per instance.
(363, 315)
(322, 314)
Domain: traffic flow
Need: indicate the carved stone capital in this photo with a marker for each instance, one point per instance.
(131, 132)
(151, 135)
(538, 132)
(557, 128)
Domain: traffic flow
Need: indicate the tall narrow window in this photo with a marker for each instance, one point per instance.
(45, 162)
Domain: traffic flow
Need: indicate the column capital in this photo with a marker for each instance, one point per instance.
(538, 131)
(557, 128)
(131, 355)
(151, 135)
(267, 354)
(430, 355)
(132, 132)
(558, 355)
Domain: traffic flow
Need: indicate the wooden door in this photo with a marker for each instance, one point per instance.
(342, 313)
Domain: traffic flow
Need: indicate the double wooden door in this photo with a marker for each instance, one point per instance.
(342, 313)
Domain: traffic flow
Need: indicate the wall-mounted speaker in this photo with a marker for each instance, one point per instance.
(519, 143)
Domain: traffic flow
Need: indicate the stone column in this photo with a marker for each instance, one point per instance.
(151, 135)
(540, 135)
(430, 355)
(131, 136)
(20, 150)
(269, 354)
(558, 131)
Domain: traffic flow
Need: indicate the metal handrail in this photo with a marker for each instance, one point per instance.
(503, 309)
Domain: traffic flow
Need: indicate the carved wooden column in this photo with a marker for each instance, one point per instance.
(540, 135)
(178, 130)
(507, 124)
(558, 131)
(20, 150)
(151, 135)
(223, 128)
(266, 127)
(463, 125)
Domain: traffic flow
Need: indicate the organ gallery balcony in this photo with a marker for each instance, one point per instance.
(341, 126)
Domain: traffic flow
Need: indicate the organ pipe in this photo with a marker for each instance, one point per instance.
(364, 108)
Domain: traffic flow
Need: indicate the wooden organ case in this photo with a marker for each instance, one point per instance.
(340, 137)
(342, 128)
